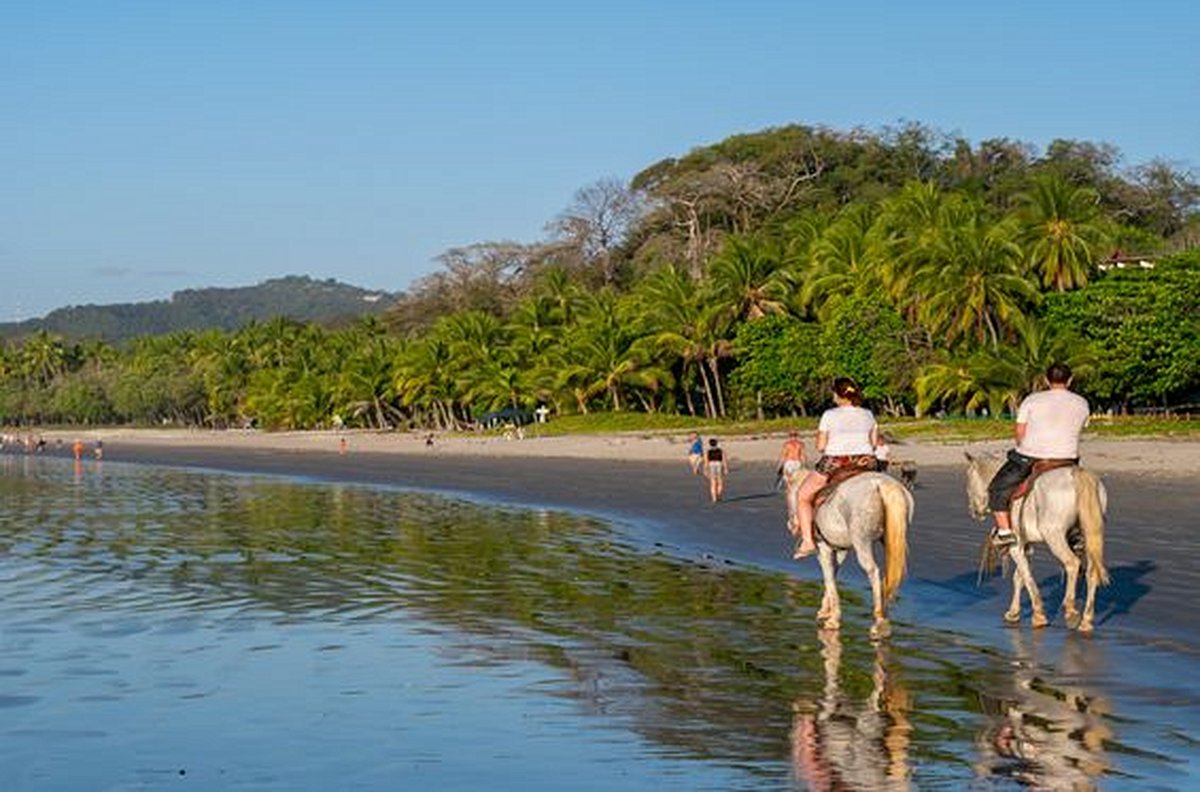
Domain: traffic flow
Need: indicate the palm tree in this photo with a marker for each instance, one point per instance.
(843, 262)
(477, 340)
(366, 381)
(1061, 231)
(425, 379)
(681, 322)
(912, 226)
(747, 278)
(971, 383)
(971, 287)
(556, 286)
(606, 352)
(999, 378)
(43, 357)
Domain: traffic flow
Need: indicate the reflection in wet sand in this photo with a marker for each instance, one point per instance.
(839, 743)
(398, 620)
(1047, 736)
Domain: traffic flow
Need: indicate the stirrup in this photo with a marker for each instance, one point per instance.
(1004, 538)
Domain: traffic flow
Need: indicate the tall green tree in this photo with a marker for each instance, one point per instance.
(1062, 231)
(971, 285)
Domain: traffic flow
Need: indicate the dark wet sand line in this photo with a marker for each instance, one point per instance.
(1151, 543)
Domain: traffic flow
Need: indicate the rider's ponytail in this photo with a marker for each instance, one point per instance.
(845, 388)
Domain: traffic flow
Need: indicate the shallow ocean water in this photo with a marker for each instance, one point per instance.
(162, 627)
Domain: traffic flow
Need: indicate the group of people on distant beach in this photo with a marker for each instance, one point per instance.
(37, 444)
(1048, 427)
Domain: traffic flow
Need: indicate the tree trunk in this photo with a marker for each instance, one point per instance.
(714, 364)
(710, 407)
(687, 398)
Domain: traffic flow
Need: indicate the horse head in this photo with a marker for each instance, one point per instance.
(980, 470)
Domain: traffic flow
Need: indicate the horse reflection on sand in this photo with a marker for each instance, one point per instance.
(838, 743)
(1043, 735)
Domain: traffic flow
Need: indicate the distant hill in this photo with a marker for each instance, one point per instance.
(296, 297)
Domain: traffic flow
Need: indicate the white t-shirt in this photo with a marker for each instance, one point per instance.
(1053, 421)
(849, 431)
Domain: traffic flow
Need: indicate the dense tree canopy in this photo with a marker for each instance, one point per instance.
(738, 279)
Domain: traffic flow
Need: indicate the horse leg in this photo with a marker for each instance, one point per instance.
(1038, 618)
(1013, 614)
(830, 614)
(1086, 624)
(866, 560)
(1062, 551)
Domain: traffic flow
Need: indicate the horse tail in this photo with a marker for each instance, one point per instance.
(896, 507)
(1091, 522)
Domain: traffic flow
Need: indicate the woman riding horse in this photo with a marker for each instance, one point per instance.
(846, 437)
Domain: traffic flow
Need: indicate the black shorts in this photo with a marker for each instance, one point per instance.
(1016, 468)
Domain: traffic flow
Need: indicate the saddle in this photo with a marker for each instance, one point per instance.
(1039, 467)
(836, 477)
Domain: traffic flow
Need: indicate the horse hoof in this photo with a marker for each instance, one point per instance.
(1085, 627)
(1073, 620)
(1012, 618)
(1039, 621)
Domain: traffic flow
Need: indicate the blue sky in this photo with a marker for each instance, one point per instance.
(147, 147)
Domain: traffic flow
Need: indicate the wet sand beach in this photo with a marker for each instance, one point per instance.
(1120, 707)
(644, 484)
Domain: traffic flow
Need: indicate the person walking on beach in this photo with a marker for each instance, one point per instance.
(716, 467)
(846, 437)
(791, 470)
(696, 453)
(1048, 426)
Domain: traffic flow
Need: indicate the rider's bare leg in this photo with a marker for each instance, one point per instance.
(804, 513)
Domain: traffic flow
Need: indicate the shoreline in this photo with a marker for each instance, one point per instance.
(1158, 457)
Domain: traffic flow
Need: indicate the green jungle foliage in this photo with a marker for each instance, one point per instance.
(732, 283)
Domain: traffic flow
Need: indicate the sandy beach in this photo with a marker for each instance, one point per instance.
(1141, 457)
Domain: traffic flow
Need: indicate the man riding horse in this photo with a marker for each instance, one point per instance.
(1047, 432)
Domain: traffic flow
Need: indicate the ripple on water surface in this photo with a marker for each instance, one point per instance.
(158, 624)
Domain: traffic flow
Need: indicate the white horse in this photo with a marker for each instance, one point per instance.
(862, 510)
(1059, 499)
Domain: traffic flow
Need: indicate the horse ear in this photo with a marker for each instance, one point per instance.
(967, 454)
